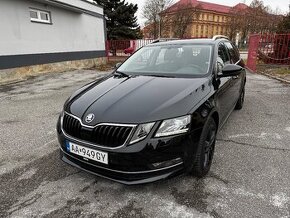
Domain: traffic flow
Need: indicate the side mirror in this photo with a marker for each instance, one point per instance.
(118, 65)
(230, 70)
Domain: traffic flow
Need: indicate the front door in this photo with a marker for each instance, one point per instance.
(225, 98)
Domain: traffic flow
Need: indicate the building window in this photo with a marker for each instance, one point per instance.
(40, 16)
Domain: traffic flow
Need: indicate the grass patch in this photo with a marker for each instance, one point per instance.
(282, 71)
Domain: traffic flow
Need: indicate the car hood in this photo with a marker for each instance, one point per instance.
(138, 99)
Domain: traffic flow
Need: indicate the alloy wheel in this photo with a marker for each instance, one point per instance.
(209, 146)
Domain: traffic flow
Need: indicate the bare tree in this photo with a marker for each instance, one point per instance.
(274, 17)
(182, 19)
(235, 22)
(151, 11)
(257, 18)
(263, 19)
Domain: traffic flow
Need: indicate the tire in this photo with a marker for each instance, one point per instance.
(205, 151)
(240, 102)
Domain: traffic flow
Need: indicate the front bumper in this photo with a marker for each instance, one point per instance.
(124, 177)
(146, 161)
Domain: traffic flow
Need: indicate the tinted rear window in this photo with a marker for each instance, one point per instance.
(234, 53)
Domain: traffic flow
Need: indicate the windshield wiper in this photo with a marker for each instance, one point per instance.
(121, 74)
(164, 76)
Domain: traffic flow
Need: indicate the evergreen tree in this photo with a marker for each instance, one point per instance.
(121, 19)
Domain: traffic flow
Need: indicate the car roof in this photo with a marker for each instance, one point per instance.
(188, 41)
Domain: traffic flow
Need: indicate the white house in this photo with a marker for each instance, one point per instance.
(34, 32)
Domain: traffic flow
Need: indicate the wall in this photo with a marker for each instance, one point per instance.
(71, 36)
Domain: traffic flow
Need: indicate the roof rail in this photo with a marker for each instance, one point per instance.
(164, 40)
(219, 37)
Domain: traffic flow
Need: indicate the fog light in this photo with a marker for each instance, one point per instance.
(167, 163)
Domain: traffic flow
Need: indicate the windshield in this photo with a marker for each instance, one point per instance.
(170, 60)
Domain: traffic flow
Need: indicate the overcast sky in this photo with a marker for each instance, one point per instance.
(281, 4)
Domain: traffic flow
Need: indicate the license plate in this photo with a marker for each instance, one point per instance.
(87, 153)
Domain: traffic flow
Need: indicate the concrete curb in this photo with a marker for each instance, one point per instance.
(275, 77)
(10, 82)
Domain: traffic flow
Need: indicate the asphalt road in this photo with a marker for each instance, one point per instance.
(250, 176)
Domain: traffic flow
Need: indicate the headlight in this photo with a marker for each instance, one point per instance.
(173, 126)
(141, 132)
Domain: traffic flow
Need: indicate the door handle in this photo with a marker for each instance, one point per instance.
(235, 77)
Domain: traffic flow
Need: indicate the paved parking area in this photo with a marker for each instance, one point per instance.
(250, 176)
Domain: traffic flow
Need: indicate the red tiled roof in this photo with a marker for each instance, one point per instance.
(206, 6)
(214, 7)
(241, 6)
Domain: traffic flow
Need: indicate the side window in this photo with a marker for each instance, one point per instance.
(223, 57)
(234, 53)
(223, 54)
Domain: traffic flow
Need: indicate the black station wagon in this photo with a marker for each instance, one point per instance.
(157, 114)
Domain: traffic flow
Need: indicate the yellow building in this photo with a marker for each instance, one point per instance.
(209, 19)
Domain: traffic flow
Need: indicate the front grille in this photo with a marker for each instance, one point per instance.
(103, 135)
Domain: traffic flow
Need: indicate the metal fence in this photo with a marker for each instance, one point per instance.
(115, 49)
(119, 50)
(272, 49)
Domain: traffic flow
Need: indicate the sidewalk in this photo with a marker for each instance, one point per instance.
(22, 73)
